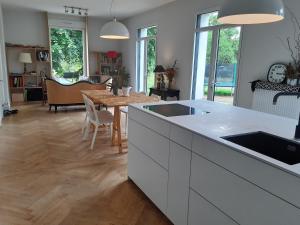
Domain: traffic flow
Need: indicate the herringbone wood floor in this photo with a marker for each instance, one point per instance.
(48, 175)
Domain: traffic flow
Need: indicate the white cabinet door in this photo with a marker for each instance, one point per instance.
(276, 181)
(241, 200)
(178, 187)
(151, 178)
(153, 122)
(150, 142)
(202, 212)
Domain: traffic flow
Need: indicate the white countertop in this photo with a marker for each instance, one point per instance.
(224, 120)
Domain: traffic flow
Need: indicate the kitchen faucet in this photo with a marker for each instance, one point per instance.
(275, 99)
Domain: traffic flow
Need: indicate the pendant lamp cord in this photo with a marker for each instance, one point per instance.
(111, 7)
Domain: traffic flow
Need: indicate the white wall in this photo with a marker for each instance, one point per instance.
(97, 44)
(30, 27)
(4, 95)
(176, 21)
(25, 26)
(261, 47)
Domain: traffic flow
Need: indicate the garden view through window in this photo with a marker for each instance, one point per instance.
(146, 58)
(216, 59)
(67, 49)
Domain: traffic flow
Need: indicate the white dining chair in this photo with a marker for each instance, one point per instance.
(96, 118)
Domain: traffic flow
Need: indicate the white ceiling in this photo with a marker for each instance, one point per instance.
(99, 8)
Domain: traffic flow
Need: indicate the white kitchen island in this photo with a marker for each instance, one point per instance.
(195, 177)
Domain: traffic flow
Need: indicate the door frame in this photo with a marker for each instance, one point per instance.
(145, 74)
(214, 56)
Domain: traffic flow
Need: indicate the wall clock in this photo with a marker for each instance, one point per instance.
(276, 73)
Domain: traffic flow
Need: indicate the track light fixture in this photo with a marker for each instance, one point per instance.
(76, 10)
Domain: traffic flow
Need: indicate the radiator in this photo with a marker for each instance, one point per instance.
(287, 106)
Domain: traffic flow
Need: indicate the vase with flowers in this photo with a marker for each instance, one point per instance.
(292, 75)
(170, 73)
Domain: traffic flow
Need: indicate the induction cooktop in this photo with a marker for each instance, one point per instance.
(170, 110)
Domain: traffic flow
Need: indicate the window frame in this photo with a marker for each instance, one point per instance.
(139, 39)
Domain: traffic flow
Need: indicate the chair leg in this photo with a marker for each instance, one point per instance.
(111, 129)
(94, 137)
(126, 124)
(50, 107)
(84, 124)
(86, 130)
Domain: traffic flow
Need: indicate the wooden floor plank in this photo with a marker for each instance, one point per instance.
(49, 176)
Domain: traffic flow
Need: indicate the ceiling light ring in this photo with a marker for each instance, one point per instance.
(251, 12)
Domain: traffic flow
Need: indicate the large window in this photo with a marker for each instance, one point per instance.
(146, 58)
(215, 59)
(68, 55)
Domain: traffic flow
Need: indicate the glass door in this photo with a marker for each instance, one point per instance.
(225, 82)
(215, 59)
(203, 66)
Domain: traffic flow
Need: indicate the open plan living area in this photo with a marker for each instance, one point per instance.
(149, 112)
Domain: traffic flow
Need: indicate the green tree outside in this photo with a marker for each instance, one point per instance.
(67, 51)
(229, 40)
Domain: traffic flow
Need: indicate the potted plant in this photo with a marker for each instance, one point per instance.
(292, 75)
(125, 77)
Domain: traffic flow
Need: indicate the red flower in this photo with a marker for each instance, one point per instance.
(112, 54)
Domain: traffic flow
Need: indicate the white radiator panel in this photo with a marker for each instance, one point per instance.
(287, 106)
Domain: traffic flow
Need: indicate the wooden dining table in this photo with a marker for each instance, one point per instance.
(105, 97)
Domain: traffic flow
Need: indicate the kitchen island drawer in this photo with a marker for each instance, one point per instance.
(181, 136)
(268, 177)
(151, 143)
(150, 177)
(202, 212)
(158, 125)
(243, 201)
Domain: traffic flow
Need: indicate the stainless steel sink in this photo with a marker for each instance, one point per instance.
(278, 148)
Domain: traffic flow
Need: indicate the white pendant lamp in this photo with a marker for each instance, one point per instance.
(251, 11)
(114, 29)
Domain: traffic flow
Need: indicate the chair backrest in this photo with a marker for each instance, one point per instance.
(157, 96)
(90, 110)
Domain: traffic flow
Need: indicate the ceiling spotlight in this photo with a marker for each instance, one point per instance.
(76, 10)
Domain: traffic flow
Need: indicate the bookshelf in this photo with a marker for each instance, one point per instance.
(27, 87)
(105, 65)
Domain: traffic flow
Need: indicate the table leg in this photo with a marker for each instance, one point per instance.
(113, 137)
(117, 129)
(119, 134)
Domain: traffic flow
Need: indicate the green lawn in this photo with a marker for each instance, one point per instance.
(221, 91)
